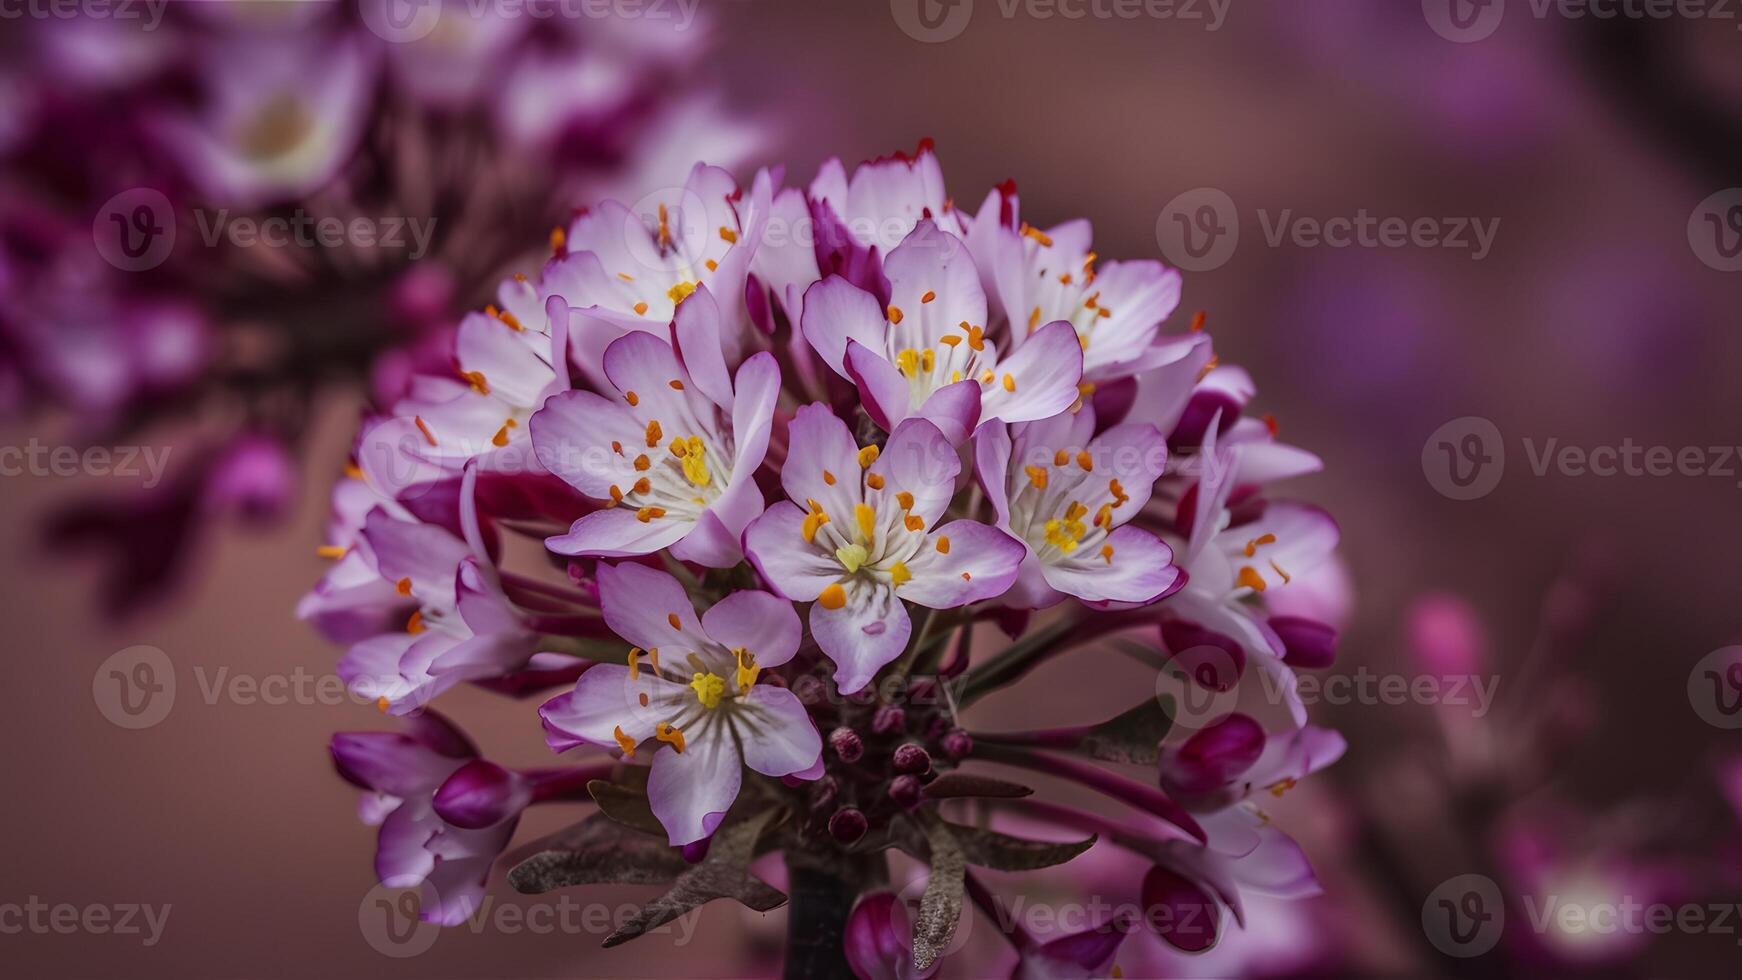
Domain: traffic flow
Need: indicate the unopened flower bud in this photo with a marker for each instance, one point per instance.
(888, 718)
(847, 825)
(957, 744)
(905, 791)
(912, 757)
(847, 744)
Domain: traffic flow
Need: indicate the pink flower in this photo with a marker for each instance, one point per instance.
(1039, 277)
(1068, 494)
(706, 728)
(926, 353)
(672, 453)
(865, 539)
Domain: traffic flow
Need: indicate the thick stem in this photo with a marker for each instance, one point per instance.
(820, 898)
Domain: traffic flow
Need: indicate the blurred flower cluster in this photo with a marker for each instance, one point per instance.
(287, 199)
(743, 472)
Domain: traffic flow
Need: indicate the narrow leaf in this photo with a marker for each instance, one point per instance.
(1002, 852)
(596, 851)
(626, 805)
(1134, 736)
(941, 905)
(722, 874)
(957, 784)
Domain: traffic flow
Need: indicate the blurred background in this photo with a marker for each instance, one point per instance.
(1569, 279)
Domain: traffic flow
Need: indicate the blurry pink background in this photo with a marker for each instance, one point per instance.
(1591, 321)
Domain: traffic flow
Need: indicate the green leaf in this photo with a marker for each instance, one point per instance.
(1002, 852)
(941, 906)
(722, 874)
(957, 784)
(596, 851)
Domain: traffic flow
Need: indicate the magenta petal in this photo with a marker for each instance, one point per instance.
(1214, 757)
(1309, 644)
(1180, 912)
(876, 940)
(481, 794)
(880, 384)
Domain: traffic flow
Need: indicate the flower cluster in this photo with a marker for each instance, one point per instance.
(784, 454)
(220, 217)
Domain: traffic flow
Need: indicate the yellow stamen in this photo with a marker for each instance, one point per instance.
(852, 556)
(868, 455)
(905, 500)
(1061, 457)
(642, 463)
(747, 669)
(1250, 578)
(874, 480)
(812, 522)
(647, 514)
(695, 462)
(866, 518)
(914, 522)
(1253, 545)
(332, 551)
(1086, 461)
(624, 742)
(414, 625)
(943, 544)
(403, 586)
(898, 574)
(709, 688)
(634, 663)
(1036, 476)
(833, 597)
(681, 291)
(477, 381)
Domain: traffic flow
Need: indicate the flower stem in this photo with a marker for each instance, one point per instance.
(821, 895)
